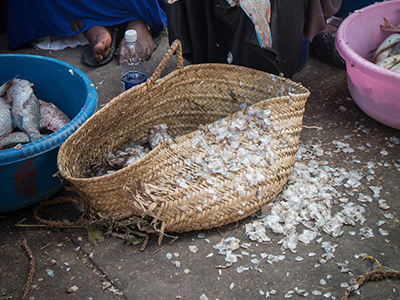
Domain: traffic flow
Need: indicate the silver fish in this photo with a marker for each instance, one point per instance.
(14, 138)
(389, 62)
(25, 107)
(395, 49)
(387, 43)
(6, 124)
(51, 117)
(383, 54)
(396, 67)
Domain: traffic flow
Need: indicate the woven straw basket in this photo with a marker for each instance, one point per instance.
(185, 99)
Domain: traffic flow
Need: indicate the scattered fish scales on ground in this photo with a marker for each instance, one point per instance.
(316, 186)
(351, 213)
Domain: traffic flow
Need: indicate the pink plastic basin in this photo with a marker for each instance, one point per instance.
(375, 90)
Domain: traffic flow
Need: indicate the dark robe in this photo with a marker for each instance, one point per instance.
(210, 29)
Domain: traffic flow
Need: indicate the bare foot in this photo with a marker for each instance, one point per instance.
(100, 40)
(144, 36)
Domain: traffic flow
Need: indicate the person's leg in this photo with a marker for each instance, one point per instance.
(144, 36)
(100, 40)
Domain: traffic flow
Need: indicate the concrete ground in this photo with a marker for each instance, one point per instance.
(110, 269)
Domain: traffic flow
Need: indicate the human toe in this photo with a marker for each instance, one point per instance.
(148, 51)
(97, 57)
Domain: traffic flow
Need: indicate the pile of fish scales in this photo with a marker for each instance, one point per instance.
(247, 142)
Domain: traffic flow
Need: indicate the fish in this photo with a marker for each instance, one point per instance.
(389, 62)
(390, 26)
(6, 124)
(14, 138)
(396, 68)
(383, 54)
(395, 49)
(118, 162)
(25, 108)
(51, 117)
(387, 43)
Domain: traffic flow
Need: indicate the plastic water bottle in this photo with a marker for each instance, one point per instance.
(132, 60)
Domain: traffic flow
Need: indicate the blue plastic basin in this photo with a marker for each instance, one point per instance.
(27, 175)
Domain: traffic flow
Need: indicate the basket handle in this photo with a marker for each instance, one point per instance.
(176, 46)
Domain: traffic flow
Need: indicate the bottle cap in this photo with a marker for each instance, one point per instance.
(130, 36)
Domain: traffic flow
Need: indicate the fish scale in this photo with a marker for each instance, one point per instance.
(259, 11)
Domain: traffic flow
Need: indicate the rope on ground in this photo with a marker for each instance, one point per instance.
(59, 223)
(28, 283)
(379, 273)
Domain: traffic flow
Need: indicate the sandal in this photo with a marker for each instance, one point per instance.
(87, 54)
(156, 40)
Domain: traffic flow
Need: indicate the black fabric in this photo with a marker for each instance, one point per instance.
(210, 29)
